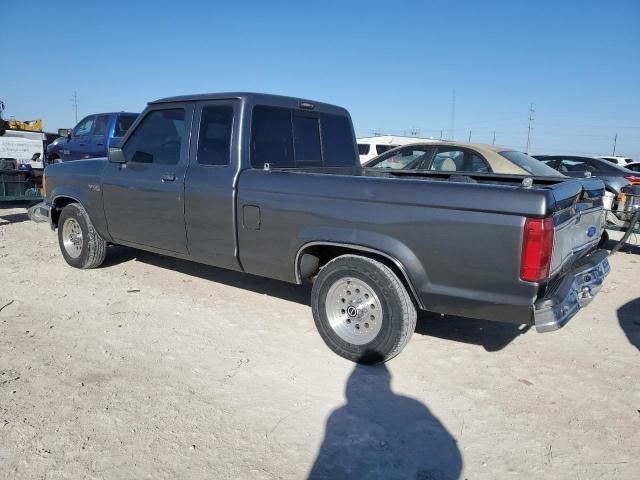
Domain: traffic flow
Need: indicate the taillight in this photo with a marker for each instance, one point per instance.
(44, 185)
(537, 245)
(633, 179)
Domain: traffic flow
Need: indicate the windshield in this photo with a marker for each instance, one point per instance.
(530, 164)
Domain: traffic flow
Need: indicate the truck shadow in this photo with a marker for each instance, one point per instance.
(261, 285)
(380, 434)
(6, 219)
(492, 336)
(629, 318)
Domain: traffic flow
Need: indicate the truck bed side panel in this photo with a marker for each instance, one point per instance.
(419, 223)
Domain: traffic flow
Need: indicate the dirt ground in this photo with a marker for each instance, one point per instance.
(155, 368)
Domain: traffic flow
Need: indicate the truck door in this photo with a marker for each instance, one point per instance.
(97, 141)
(144, 197)
(77, 147)
(210, 184)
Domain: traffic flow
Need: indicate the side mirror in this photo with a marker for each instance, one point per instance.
(116, 155)
(64, 132)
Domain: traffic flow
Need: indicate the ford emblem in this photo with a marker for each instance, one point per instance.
(591, 231)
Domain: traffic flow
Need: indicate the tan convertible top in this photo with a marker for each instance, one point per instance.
(498, 163)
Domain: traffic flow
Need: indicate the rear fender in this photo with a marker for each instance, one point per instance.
(368, 243)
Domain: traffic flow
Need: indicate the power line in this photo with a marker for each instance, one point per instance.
(531, 112)
(74, 99)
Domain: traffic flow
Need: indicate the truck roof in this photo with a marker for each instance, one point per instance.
(253, 97)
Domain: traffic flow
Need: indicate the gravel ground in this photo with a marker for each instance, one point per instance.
(156, 368)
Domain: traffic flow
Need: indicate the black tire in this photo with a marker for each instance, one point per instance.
(92, 247)
(398, 312)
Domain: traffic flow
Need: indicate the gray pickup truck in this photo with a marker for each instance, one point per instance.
(272, 186)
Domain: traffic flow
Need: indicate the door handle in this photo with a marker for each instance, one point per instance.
(81, 144)
(100, 144)
(168, 178)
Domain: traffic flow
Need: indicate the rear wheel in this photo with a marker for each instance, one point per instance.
(80, 243)
(362, 310)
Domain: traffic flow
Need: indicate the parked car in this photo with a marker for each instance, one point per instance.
(460, 158)
(91, 137)
(617, 159)
(272, 186)
(614, 176)
(370, 147)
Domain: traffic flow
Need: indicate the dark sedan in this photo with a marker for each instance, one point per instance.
(613, 176)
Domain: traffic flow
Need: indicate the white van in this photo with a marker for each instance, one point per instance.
(22, 146)
(370, 147)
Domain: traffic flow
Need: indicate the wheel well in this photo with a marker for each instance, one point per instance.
(311, 259)
(58, 205)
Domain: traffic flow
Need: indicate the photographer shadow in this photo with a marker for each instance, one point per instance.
(378, 434)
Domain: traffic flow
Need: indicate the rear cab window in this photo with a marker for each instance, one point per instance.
(290, 138)
(123, 123)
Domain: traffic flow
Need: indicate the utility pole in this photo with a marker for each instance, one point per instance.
(74, 99)
(469, 140)
(615, 140)
(494, 138)
(452, 119)
(531, 112)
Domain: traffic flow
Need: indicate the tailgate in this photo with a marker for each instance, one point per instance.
(579, 221)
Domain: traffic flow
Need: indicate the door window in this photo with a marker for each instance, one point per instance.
(570, 165)
(214, 140)
(158, 138)
(102, 123)
(449, 159)
(84, 127)
(405, 158)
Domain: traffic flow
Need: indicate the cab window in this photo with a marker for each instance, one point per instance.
(158, 139)
(84, 127)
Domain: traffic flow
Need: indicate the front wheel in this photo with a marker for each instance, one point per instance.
(362, 310)
(80, 243)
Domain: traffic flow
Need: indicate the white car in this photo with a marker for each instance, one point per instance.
(370, 147)
(617, 159)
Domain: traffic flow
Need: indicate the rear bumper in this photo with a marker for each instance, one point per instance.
(575, 291)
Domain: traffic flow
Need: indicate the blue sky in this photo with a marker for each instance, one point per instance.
(394, 65)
